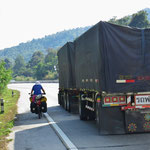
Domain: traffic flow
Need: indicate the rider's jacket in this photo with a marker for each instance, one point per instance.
(37, 89)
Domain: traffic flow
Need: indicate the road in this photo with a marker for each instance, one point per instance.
(31, 133)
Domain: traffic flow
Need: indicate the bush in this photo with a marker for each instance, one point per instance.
(23, 78)
(51, 76)
(5, 76)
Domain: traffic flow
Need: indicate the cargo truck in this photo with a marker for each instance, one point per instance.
(112, 77)
(67, 96)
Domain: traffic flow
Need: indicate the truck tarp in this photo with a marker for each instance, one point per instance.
(66, 66)
(113, 58)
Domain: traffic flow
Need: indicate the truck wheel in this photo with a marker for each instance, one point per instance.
(62, 100)
(59, 98)
(65, 102)
(82, 109)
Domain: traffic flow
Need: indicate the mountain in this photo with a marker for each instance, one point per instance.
(53, 41)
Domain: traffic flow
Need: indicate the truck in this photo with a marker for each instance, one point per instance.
(111, 75)
(67, 96)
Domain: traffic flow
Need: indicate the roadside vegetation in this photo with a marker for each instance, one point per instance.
(10, 108)
(7, 118)
(39, 67)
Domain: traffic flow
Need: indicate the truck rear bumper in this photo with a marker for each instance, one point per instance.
(137, 121)
(116, 121)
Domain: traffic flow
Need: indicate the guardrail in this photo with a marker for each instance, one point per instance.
(41, 81)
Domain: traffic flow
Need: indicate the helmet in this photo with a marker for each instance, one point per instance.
(37, 83)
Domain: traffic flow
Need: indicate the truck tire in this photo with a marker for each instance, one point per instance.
(65, 101)
(62, 100)
(82, 109)
(59, 98)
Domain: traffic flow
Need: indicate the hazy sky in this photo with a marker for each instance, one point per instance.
(23, 20)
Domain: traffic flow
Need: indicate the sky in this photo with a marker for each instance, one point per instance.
(24, 20)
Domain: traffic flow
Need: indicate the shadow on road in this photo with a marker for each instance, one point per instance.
(32, 133)
(71, 123)
(41, 137)
(84, 134)
(27, 118)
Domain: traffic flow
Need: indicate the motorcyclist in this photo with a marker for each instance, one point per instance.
(36, 90)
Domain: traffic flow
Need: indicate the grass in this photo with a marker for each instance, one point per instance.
(7, 118)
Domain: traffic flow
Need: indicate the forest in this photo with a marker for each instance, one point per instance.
(41, 64)
(39, 67)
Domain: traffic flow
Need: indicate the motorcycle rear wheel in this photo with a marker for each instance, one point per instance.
(39, 112)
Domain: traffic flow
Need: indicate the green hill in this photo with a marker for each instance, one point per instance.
(53, 41)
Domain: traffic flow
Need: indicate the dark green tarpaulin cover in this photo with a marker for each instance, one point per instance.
(66, 66)
(107, 53)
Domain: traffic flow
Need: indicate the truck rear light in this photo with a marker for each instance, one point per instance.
(125, 81)
(130, 81)
(107, 100)
(114, 99)
(122, 99)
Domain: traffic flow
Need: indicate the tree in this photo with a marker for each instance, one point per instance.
(123, 21)
(5, 76)
(37, 57)
(51, 60)
(8, 63)
(41, 71)
(139, 20)
(28, 72)
(51, 55)
(19, 65)
(113, 20)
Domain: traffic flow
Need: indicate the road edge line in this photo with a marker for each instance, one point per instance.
(63, 137)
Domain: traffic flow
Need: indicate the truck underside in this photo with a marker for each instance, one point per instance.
(115, 113)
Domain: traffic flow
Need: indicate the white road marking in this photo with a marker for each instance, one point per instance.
(66, 141)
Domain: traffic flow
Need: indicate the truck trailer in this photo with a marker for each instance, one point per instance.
(111, 75)
(67, 96)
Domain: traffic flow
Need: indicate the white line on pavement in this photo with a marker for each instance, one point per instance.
(66, 141)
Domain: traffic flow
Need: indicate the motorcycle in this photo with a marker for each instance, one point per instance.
(39, 104)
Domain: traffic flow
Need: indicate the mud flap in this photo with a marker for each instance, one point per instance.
(112, 120)
(74, 105)
(137, 121)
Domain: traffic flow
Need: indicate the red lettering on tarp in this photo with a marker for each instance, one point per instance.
(147, 77)
(143, 78)
(140, 78)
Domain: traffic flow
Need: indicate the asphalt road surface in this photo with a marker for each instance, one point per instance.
(31, 133)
